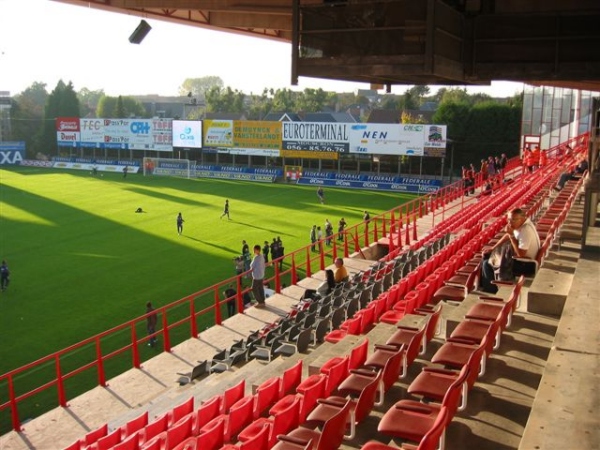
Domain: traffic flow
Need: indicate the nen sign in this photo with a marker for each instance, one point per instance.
(12, 152)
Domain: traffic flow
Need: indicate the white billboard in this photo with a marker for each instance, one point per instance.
(187, 133)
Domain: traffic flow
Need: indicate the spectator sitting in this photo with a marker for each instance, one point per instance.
(341, 274)
(571, 174)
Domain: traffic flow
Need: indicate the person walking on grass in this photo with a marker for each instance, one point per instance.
(321, 195)
(151, 320)
(180, 223)
(226, 210)
(4, 275)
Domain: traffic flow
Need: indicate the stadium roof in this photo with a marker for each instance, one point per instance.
(387, 42)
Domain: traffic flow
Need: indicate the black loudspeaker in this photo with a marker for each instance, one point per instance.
(140, 32)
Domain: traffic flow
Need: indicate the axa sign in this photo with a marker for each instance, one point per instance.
(11, 156)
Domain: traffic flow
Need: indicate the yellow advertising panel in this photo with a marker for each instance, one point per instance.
(218, 133)
(256, 134)
(308, 154)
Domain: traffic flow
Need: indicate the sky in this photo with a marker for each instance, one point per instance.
(45, 41)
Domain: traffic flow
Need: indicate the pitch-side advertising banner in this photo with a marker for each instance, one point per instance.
(316, 136)
(134, 134)
(396, 139)
(187, 133)
(218, 133)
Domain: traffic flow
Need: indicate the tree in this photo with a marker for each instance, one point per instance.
(27, 116)
(88, 100)
(455, 95)
(224, 100)
(311, 100)
(200, 86)
(284, 100)
(130, 107)
(417, 93)
(62, 102)
(260, 105)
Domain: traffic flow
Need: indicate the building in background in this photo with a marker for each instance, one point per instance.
(556, 114)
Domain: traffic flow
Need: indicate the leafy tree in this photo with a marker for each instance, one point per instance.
(130, 107)
(284, 100)
(62, 102)
(455, 95)
(224, 100)
(417, 93)
(119, 111)
(88, 100)
(408, 101)
(198, 87)
(311, 100)
(260, 105)
(27, 115)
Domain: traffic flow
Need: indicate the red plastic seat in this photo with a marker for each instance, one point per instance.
(336, 374)
(433, 383)
(134, 425)
(108, 441)
(475, 329)
(232, 395)
(212, 435)
(358, 356)
(282, 422)
(456, 353)
(450, 293)
(360, 407)
(180, 411)
(429, 441)
(206, 412)
(129, 443)
(93, 436)
(267, 394)
(407, 340)
(308, 394)
(329, 438)
(359, 378)
(260, 441)
(240, 415)
(153, 429)
(409, 419)
(401, 308)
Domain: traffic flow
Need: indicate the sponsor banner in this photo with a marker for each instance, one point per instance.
(253, 134)
(249, 152)
(316, 136)
(134, 134)
(235, 176)
(232, 169)
(435, 136)
(308, 154)
(90, 166)
(217, 133)
(386, 139)
(67, 131)
(373, 178)
(187, 133)
(372, 185)
(394, 139)
(36, 163)
(12, 152)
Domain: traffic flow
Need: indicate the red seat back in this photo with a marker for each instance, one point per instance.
(334, 429)
(358, 355)
(179, 432)
(212, 438)
(284, 421)
(291, 378)
(232, 395)
(180, 411)
(266, 395)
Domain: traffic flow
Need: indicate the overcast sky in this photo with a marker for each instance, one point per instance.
(43, 40)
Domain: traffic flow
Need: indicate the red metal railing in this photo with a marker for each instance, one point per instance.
(205, 307)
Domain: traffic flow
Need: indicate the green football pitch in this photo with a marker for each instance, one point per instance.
(82, 261)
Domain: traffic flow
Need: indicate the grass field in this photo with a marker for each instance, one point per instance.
(82, 261)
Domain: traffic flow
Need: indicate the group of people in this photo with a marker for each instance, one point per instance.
(317, 235)
(491, 171)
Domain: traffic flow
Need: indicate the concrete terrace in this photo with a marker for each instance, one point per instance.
(540, 390)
